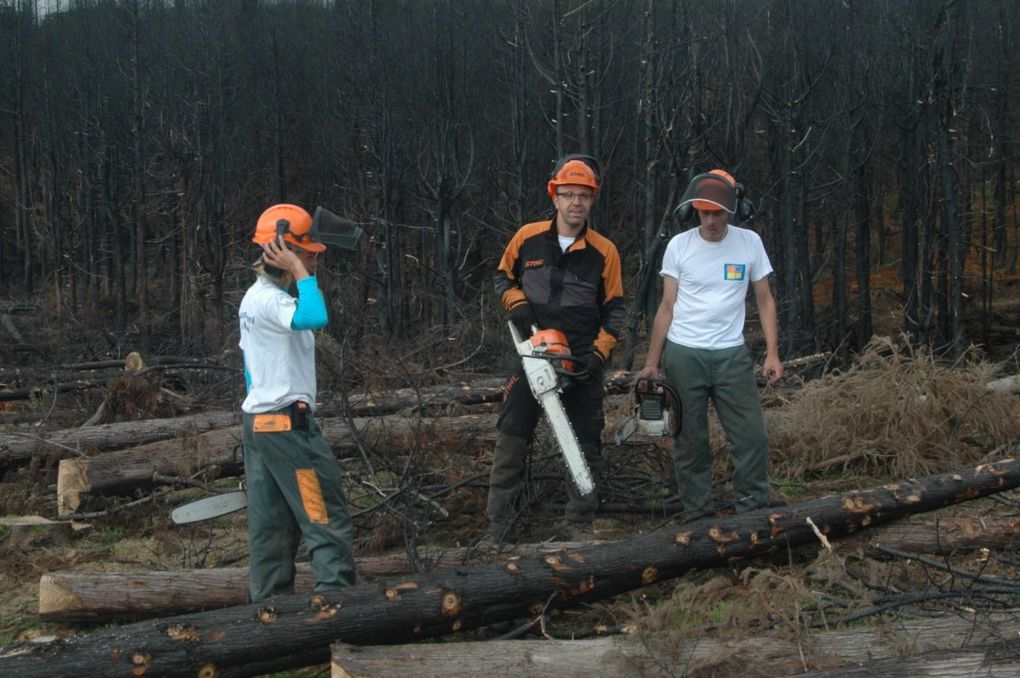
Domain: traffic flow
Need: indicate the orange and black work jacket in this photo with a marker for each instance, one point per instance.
(578, 292)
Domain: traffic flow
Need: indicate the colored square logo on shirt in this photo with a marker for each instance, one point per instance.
(734, 271)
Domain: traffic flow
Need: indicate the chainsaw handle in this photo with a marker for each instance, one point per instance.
(556, 360)
(649, 385)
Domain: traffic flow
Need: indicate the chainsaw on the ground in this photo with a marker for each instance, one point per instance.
(545, 356)
(213, 506)
(657, 411)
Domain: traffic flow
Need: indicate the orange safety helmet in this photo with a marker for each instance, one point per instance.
(290, 221)
(553, 342)
(573, 170)
(714, 201)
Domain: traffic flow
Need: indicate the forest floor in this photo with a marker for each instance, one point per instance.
(895, 413)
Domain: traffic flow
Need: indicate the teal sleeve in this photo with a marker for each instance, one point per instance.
(311, 307)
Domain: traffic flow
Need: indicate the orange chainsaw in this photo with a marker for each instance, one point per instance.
(545, 356)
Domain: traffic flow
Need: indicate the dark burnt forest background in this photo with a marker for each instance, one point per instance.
(141, 139)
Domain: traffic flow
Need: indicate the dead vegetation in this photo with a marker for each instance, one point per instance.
(898, 412)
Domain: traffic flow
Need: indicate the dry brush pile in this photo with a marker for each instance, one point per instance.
(898, 412)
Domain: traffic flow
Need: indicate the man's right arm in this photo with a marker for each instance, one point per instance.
(506, 282)
(660, 327)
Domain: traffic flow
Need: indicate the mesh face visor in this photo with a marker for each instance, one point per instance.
(710, 192)
(330, 229)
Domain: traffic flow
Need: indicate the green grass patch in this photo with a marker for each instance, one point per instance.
(110, 537)
(790, 488)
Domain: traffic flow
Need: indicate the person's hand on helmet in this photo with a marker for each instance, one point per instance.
(522, 318)
(277, 254)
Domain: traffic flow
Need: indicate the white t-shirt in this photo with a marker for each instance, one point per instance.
(565, 241)
(279, 361)
(712, 282)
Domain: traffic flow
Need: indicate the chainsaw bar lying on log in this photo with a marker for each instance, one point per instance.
(300, 628)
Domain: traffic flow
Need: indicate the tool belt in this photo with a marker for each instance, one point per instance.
(292, 418)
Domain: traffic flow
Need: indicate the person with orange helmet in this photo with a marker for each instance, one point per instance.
(557, 274)
(698, 335)
(293, 478)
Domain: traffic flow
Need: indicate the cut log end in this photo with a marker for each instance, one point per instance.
(55, 597)
(72, 482)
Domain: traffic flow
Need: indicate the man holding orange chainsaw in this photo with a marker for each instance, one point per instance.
(558, 274)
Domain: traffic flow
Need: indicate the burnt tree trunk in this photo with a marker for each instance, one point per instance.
(107, 596)
(103, 596)
(302, 626)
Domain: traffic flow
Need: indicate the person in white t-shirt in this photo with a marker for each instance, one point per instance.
(698, 334)
(293, 478)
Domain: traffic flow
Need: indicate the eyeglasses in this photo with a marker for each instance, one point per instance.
(579, 197)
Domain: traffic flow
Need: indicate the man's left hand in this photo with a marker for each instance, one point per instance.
(772, 369)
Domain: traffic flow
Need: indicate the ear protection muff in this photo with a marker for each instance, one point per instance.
(744, 209)
(282, 227)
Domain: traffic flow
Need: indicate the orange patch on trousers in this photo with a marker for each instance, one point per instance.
(311, 495)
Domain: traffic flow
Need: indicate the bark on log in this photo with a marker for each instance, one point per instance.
(412, 608)
(941, 537)
(998, 660)
(650, 656)
(1010, 384)
(19, 447)
(107, 596)
(72, 597)
(124, 471)
(28, 531)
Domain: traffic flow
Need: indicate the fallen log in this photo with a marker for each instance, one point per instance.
(997, 660)
(627, 655)
(26, 531)
(215, 453)
(398, 611)
(106, 596)
(941, 537)
(89, 596)
(19, 447)
(1010, 384)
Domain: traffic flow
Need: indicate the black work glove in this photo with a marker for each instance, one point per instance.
(593, 368)
(522, 318)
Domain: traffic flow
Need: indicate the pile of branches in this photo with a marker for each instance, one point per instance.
(898, 411)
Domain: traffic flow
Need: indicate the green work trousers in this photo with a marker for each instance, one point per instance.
(726, 376)
(295, 489)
